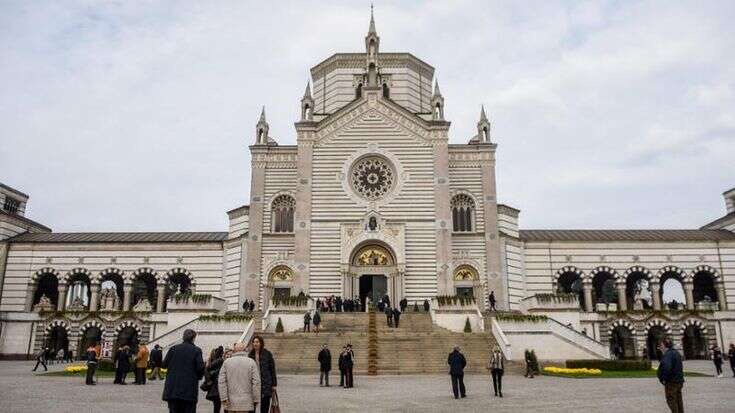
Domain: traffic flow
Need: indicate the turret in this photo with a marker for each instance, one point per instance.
(307, 104)
(437, 103)
(483, 129)
(261, 130)
(372, 45)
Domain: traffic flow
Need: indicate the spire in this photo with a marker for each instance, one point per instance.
(307, 92)
(307, 104)
(436, 88)
(437, 103)
(262, 115)
(261, 129)
(483, 128)
(372, 22)
(483, 117)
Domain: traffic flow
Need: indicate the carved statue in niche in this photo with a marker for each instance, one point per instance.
(44, 304)
(109, 300)
(143, 305)
(76, 305)
(372, 224)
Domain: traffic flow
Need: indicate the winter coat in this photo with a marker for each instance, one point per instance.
(141, 359)
(185, 368)
(671, 369)
(268, 377)
(239, 383)
(156, 357)
(307, 318)
(456, 363)
(123, 360)
(212, 375)
(317, 319)
(497, 362)
(341, 362)
(325, 360)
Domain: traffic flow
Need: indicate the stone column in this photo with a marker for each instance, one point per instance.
(443, 226)
(589, 306)
(489, 202)
(95, 296)
(305, 131)
(689, 294)
(656, 295)
(622, 299)
(61, 301)
(721, 297)
(127, 296)
(250, 277)
(161, 297)
(30, 291)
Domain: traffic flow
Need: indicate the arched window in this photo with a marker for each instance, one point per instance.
(704, 287)
(78, 292)
(638, 291)
(48, 286)
(463, 213)
(386, 91)
(672, 291)
(603, 284)
(144, 287)
(282, 212)
(571, 283)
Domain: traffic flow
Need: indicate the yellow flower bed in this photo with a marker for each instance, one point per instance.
(75, 368)
(580, 371)
(149, 371)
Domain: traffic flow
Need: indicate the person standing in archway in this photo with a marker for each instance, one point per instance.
(671, 375)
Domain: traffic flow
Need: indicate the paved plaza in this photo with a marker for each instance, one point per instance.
(23, 391)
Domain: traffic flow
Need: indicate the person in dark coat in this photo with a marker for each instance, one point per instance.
(671, 375)
(389, 316)
(252, 306)
(342, 366)
(404, 305)
(491, 300)
(349, 365)
(123, 366)
(396, 317)
(307, 322)
(155, 361)
(268, 380)
(185, 368)
(211, 377)
(91, 365)
(731, 356)
(41, 359)
(426, 306)
(317, 320)
(457, 364)
(717, 359)
(325, 365)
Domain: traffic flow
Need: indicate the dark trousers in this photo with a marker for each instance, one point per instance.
(91, 368)
(732, 366)
(673, 397)
(458, 382)
(397, 320)
(341, 377)
(349, 379)
(139, 375)
(41, 362)
(120, 375)
(529, 370)
(497, 381)
(718, 368)
(217, 405)
(492, 306)
(182, 406)
(307, 327)
(324, 376)
(390, 321)
(265, 404)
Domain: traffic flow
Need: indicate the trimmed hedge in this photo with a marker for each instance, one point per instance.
(106, 365)
(615, 365)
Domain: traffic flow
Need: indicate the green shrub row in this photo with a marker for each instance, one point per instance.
(616, 365)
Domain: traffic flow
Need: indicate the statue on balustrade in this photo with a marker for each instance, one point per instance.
(44, 304)
(77, 305)
(109, 301)
(143, 305)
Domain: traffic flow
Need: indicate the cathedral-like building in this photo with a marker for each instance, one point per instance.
(372, 200)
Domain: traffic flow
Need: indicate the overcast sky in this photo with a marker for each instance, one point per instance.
(137, 116)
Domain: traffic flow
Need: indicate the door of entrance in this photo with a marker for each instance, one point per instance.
(374, 286)
(465, 292)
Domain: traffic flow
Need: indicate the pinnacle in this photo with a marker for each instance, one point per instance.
(436, 88)
(483, 117)
(372, 22)
(307, 92)
(262, 115)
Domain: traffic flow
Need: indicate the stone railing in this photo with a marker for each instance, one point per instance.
(203, 303)
(550, 302)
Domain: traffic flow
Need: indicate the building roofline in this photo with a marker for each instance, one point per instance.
(719, 220)
(25, 220)
(118, 237)
(625, 235)
(13, 190)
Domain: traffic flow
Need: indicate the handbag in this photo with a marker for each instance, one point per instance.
(207, 385)
(275, 406)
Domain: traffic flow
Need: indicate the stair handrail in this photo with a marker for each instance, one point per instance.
(500, 337)
(480, 317)
(173, 330)
(248, 333)
(265, 320)
(574, 335)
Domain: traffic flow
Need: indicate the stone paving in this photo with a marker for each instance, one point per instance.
(23, 391)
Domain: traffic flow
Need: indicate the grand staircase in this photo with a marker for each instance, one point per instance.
(416, 347)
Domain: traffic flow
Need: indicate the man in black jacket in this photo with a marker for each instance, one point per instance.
(396, 317)
(349, 364)
(185, 368)
(155, 361)
(122, 358)
(457, 364)
(342, 367)
(325, 364)
(671, 375)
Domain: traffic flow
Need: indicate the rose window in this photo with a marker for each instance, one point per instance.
(372, 177)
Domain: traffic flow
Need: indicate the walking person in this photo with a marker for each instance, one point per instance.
(389, 316)
(239, 382)
(457, 363)
(497, 367)
(268, 380)
(307, 322)
(426, 306)
(123, 366)
(717, 359)
(141, 363)
(342, 366)
(671, 375)
(185, 368)
(91, 365)
(156, 358)
(491, 300)
(316, 320)
(404, 304)
(41, 359)
(211, 378)
(529, 365)
(349, 366)
(396, 317)
(325, 365)
(731, 356)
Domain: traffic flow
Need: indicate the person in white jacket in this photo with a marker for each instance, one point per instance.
(239, 382)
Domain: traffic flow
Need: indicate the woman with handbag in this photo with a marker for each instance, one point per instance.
(211, 375)
(268, 381)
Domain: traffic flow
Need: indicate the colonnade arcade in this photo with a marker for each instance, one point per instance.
(109, 290)
(629, 339)
(638, 288)
(61, 334)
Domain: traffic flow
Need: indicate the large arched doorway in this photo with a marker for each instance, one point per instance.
(571, 283)
(622, 343)
(127, 336)
(653, 340)
(57, 339)
(694, 343)
(373, 263)
(91, 336)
